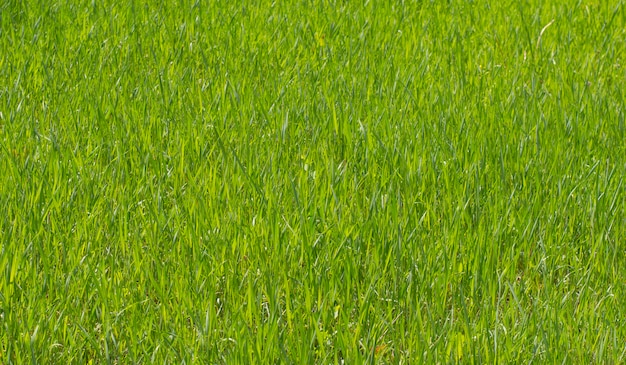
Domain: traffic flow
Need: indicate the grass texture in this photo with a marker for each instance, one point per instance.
(379, 182)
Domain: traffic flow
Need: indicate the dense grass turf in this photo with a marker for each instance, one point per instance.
(312, 182)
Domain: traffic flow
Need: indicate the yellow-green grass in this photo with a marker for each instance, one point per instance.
(318, 182)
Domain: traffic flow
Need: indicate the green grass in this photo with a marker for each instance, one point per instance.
(312, 182)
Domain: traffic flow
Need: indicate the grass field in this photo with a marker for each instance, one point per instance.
(312, 182)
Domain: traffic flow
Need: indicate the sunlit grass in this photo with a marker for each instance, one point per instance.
(312, 182)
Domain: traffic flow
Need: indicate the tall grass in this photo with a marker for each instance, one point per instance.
(312, 182)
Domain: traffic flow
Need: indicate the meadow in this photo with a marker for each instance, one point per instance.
(312, 182)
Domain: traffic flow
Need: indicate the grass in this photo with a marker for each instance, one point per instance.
(312, 182)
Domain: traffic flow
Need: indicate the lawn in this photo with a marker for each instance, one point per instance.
(312, 182)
